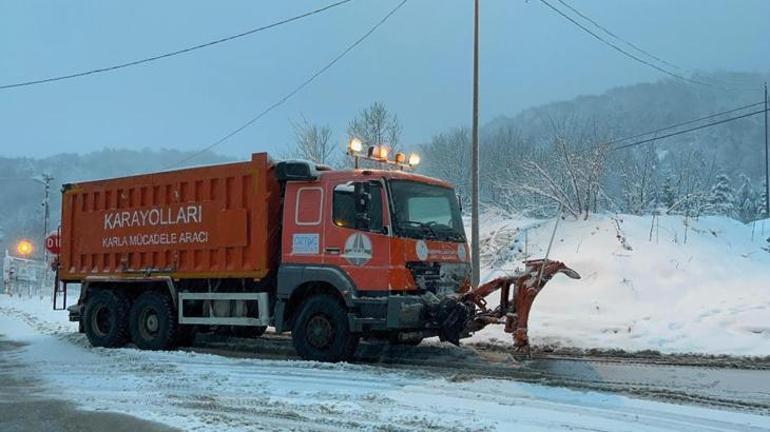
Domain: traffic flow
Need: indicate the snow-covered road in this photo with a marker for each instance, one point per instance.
(196, 392)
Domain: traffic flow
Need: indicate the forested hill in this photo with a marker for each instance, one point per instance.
(558, 154)
(631, 110)
(21, 197)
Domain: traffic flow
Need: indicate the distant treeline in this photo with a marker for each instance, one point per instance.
(21, 197)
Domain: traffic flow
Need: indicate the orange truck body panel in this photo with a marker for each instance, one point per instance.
(219, 221)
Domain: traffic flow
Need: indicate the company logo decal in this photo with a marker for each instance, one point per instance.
(422, 250)
(358, 249)
(441, 252)
(461, 252)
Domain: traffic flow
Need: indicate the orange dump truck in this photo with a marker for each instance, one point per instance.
(332, 256)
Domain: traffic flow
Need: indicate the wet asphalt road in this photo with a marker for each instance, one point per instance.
(716, 383)
(25, 405)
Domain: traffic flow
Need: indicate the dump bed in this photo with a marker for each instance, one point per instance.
(219, 221)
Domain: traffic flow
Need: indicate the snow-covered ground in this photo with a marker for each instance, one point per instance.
(198, 392)
(681, 285)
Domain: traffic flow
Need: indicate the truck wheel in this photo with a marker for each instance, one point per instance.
(321, 331)
(153, 322)
(106, 319)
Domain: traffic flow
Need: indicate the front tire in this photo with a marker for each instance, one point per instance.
(153, 322)
(105, 319)
(321, 331)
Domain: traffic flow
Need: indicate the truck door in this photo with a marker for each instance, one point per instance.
(357, 239)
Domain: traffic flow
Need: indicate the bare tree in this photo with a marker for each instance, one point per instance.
(570, 171)
(639, 175)
(691, 182)
(448, 157)
(501, 156)
(375, 125)
(312, 142)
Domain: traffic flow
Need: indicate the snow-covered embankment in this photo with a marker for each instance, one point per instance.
(679, 285)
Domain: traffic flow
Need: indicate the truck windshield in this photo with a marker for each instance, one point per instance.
(426, 211)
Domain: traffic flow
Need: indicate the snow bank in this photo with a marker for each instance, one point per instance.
(681, 285)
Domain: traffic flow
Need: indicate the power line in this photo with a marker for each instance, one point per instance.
(639, 49)
(31, 178)
(676, 125)
(610, 33)
(172, 53)
(293, 92)
(624, 52)
(688, 130)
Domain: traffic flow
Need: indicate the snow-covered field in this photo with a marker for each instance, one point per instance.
(201, 392)
(677, 286)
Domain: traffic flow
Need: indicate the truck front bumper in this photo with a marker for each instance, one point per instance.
(433, 316)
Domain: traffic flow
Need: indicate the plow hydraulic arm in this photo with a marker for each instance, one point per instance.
(517, 293)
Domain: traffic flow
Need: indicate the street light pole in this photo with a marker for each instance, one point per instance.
(767, 169)
(476, 275)
(47, 212)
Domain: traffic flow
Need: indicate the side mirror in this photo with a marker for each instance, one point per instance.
(460, 202)
(362, 198)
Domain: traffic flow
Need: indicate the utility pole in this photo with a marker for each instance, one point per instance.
(767, 168)
(476, 275)
(46, 212)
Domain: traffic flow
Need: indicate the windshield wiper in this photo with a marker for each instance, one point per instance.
(435, 230)
(422, 225)
(450, 232)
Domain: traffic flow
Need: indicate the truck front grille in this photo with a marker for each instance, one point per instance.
(438, 278)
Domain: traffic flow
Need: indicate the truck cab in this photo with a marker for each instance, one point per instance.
(386, 245)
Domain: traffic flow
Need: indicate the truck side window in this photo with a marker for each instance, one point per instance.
(375, 207)
(344, 206)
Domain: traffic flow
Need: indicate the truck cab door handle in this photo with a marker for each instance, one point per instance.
(332, 250)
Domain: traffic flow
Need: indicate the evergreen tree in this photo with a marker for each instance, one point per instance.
(746, 200)
(669, 192)
(761, 200)
(721, 200)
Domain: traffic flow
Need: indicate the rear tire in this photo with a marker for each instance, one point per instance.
(105, 320)
(321, 331)
(153, 322)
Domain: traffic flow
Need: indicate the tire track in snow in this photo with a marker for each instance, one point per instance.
(257, 394)
(226, 393)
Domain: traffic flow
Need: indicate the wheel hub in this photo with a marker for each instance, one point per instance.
(152, 323)
(149, 324)
(320, 332)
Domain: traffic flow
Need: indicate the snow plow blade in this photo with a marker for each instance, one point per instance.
(517, 294)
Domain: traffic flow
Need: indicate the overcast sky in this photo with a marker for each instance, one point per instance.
(418, 64)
